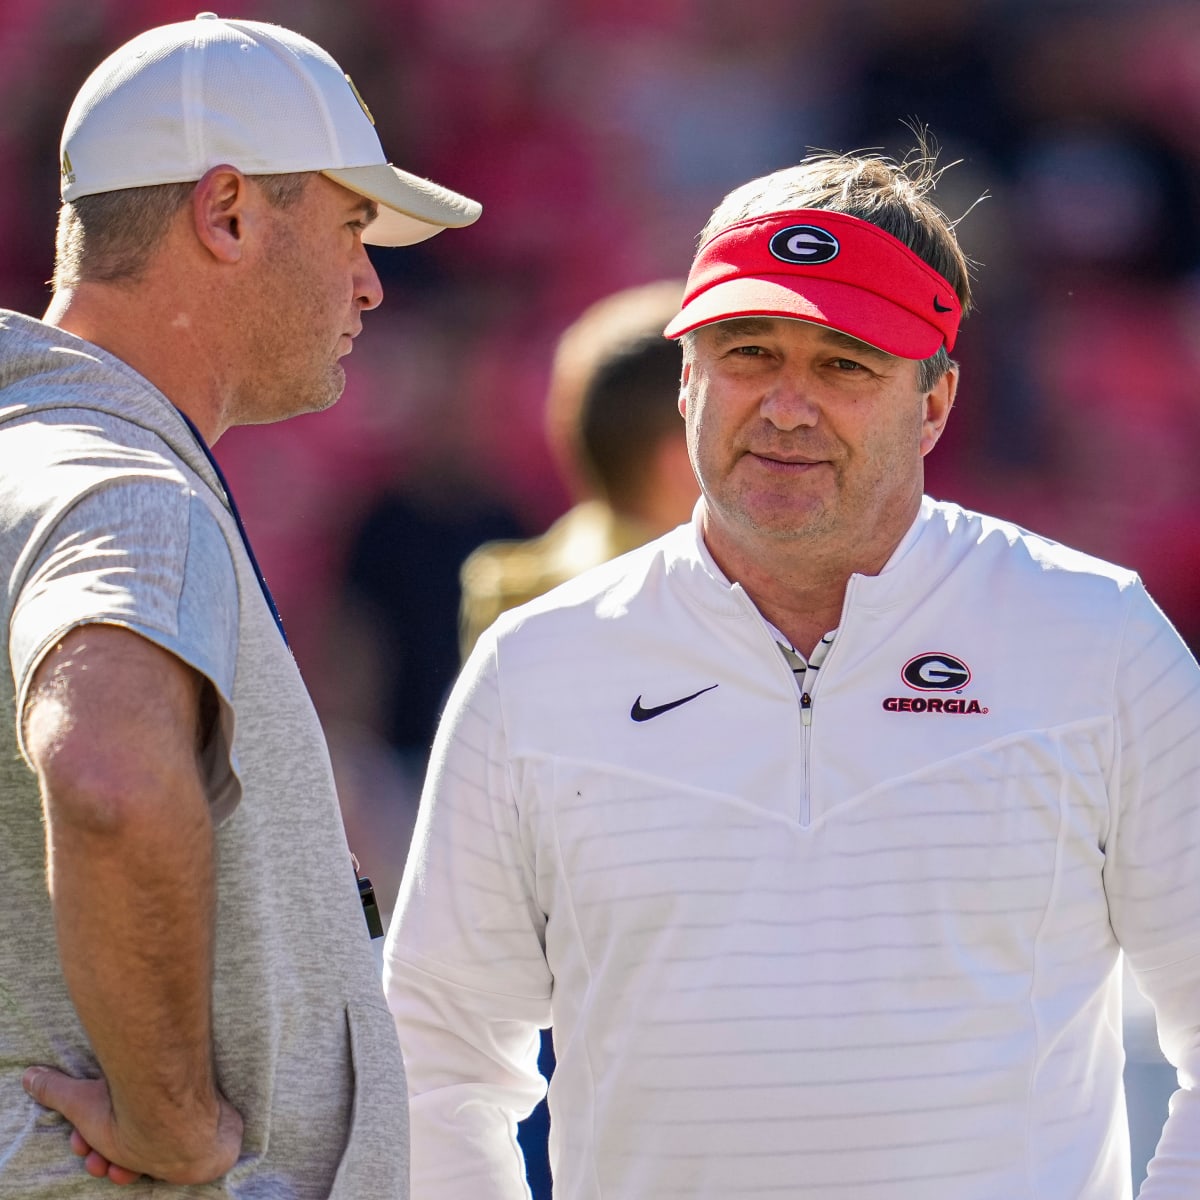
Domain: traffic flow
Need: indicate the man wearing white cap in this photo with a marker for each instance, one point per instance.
(188, 998)
(816, 828)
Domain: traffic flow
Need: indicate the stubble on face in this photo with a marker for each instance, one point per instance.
(303, 303)
(813, 486)
(772, 484)
(298, 369)
(838, 478)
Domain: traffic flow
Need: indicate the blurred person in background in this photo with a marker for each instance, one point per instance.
(613, 425)
(816, 828)
(190, 996)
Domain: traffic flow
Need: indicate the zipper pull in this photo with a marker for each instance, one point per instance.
(805, 709)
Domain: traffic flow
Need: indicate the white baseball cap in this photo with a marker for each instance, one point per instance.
(183, 98)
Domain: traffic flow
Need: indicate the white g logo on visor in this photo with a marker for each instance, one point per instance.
(809, 245)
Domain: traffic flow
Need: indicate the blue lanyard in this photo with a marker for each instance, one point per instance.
(366, 892)
(237, 516)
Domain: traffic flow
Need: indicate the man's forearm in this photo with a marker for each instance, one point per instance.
(114, 733)
(133, 908)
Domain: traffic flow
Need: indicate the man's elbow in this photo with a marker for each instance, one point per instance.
(89, 790)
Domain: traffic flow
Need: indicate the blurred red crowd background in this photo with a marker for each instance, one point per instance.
(599, 134)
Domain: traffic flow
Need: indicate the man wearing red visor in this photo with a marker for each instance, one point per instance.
(818, 827)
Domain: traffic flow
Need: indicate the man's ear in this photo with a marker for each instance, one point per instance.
(683, 383)
(219, 211)
(938, 403)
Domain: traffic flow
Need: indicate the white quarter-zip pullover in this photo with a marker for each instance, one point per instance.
(867, 950)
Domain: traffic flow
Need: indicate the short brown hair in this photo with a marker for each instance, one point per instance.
(110, 237)
(613, 390)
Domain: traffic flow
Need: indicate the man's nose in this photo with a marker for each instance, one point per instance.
(367, 287)
(790, 402)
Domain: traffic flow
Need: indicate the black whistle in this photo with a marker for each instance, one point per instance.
(366, 893)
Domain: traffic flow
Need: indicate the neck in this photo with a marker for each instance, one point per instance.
(160, 336)
(798, 585)
(803, 604)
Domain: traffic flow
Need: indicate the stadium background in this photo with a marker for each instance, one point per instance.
(599, 134)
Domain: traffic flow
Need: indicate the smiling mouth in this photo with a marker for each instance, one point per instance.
(774, 460)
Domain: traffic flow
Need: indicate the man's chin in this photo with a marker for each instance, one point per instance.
(336, 386)
(325, 394)
(310, 397)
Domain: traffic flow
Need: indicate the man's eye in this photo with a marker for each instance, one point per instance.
(847, 364)
(748, 351)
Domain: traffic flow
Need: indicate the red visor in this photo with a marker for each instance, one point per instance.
(828, 268)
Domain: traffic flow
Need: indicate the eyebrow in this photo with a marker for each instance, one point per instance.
(837, 338)
(739, 327)
(728, 331)
(368, 208)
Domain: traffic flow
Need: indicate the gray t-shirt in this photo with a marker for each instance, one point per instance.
(110, 512)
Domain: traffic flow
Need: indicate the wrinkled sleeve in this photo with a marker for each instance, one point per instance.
(464, 963)
(1152, 866)
(146, 554)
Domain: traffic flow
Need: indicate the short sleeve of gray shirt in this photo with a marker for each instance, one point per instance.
(145, 553)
